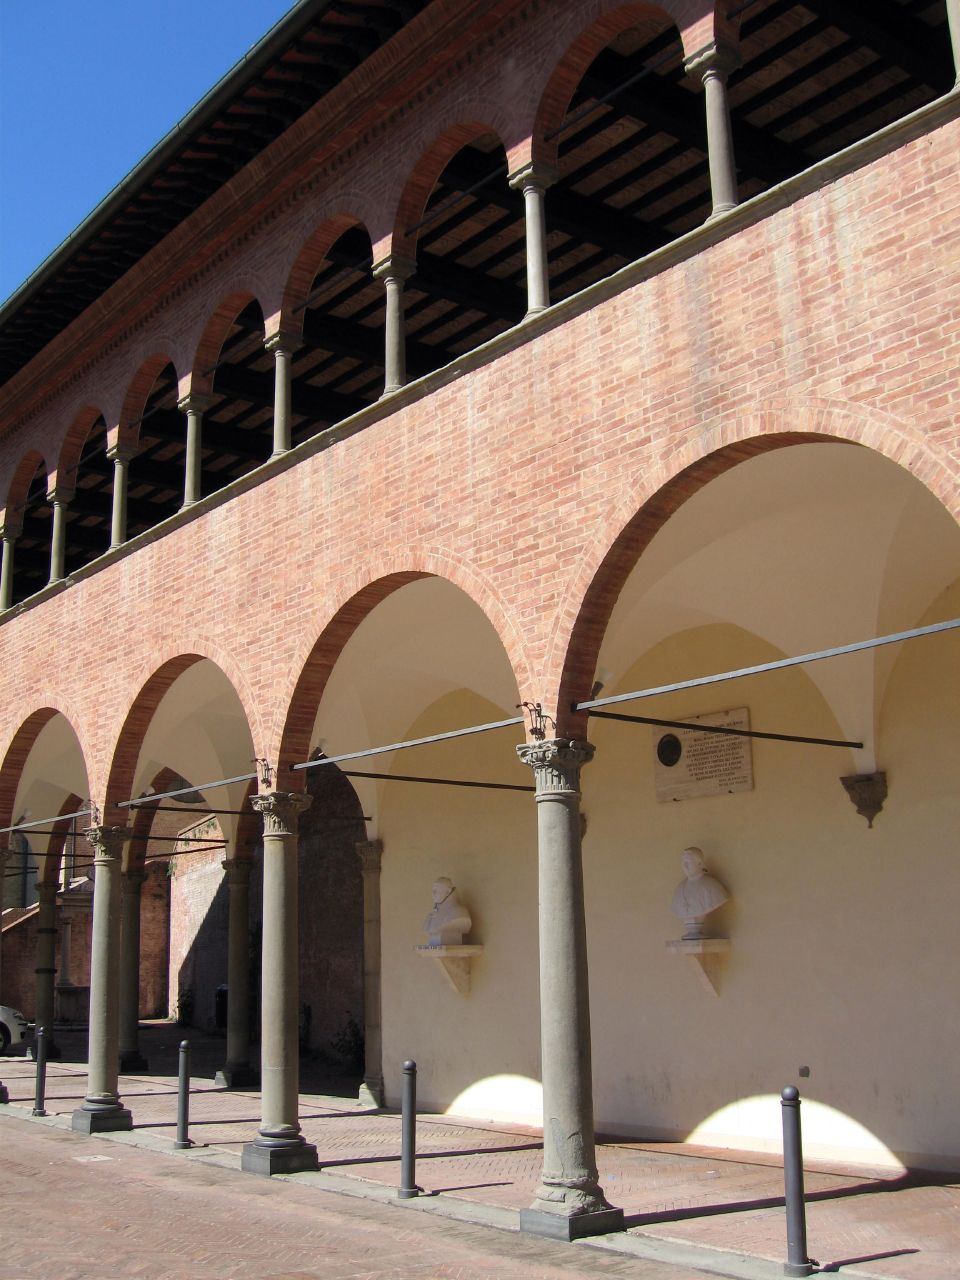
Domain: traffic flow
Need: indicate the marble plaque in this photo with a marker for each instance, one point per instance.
(691, 762)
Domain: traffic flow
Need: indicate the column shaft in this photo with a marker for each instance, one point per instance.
(953, 19)
(237, 1070)
(279, 1146)
(713, 66)
(533, 180)
(102, 1108)
(120, 456)
(393, 271)
(283, 345)
(129, 1035)
(371, 1091)
(569, 1200)
(194, 407)
(6, 571)
(58, 536)
(46, 963)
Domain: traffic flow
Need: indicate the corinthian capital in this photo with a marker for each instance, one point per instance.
(281, 811)
(107, 842)
(556, 763)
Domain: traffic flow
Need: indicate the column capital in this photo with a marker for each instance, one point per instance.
(533, 176)
(122, 451)
(10, 530)
(47, 892)
(370, 853)
(716, 59)
(61, 493)
(394, 267)
(281, 811)
(107, 842)
(557, 763)
(283, 340)
(195, 402)
(236, 870)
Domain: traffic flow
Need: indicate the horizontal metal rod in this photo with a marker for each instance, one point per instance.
(412, 742)
(39, 822)
(143, 801)
(719, 728)
(178, 839)
(860, 646)
(201, 808)
(440, 782)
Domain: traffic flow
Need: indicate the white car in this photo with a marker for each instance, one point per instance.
(13, 1027)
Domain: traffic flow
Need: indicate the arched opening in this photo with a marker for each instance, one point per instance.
(156, 475)
(238, 426)
(88, 514)
(837, 934)
(469, 283)
(411, 659)
(339, 368)
(31, 561)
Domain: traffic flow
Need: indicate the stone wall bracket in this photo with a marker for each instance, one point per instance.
(704, 955)
(454, 961)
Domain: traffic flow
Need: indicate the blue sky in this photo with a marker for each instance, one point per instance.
(87, 87)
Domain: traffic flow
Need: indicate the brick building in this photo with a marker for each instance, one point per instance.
(454, 365)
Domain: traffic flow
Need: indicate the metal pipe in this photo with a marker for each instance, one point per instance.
(408, 1188)
(41, 1085)
(39, 822)
(442, 782)
(142, 801)
(860, 646)
(183, 1139)
(721, 728)
(797, 1263)
(412, 742)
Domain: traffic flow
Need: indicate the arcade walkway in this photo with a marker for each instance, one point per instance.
(713, 1210)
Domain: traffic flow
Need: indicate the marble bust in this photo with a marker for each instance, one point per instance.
(696, 895)
(449, 919)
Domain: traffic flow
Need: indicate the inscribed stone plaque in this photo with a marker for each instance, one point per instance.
(693, 762)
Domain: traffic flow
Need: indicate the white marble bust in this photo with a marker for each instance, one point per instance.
(696, 895)
(449, 919)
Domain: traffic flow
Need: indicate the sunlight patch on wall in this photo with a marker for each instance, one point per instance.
(511, 1098)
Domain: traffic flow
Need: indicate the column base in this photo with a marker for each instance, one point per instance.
(237, 1076)
(371, 1092)
(798, 1268)
(392, 390)
(101, 1121)
(720, 210)
(563, 1226)
(298, 1158)
(132, 1060)
(4, 1095)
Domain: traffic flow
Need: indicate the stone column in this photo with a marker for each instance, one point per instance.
(131, 886)
(393, 271)
(10, 533)
(194, 406)
(533, 180)
(569, 1201)
(283, 346)
(102, 1108)
(953, 20)
(279, 1147)
(237, 1071)
(59, 498)
(371, 1091)
(120, 455)
(46, 965)
(713, 66)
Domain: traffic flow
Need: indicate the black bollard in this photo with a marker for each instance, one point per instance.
(41, 1050)
(183, 1099)
(797, 1263)
(408, 1134)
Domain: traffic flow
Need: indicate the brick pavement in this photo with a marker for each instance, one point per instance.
(870, 1222)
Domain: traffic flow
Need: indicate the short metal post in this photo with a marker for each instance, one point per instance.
(408, 1134)
(797, 1263)
(183, 1099)
(41, 1050)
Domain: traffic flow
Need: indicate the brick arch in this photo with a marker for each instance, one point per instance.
(20, 483)
(155, 679)
(354, 599)
(79, 430)
(138, 393)
(307, 263)
(648, 503)
(57, 841)
(200, 378)
(18, 752)
(429, 165)
(600, 23)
